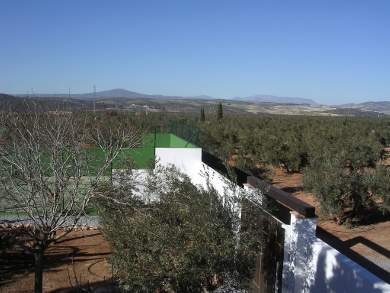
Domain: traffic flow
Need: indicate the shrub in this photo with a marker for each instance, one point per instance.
(179, 238)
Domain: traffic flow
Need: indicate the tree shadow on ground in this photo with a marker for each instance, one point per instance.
(261, 172)
(374, 215)
(97, 287)
(292, 189)
(16, 262)
(366, 242)
(78, 237)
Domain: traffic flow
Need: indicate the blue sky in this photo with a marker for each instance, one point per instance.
(332, 51)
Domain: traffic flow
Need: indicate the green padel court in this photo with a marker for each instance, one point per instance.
(141, 157)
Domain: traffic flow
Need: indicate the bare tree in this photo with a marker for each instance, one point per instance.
(47, 173)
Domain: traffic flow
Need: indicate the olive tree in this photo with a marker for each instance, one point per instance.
(345, 182)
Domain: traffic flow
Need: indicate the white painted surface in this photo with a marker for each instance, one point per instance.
(297, 263)
(138, 180)
(334, 272)
(189, 161)
(311, 265)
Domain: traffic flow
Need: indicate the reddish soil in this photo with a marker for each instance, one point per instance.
(81, 254)
(378, 233)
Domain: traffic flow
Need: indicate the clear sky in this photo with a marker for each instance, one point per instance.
(332, 51)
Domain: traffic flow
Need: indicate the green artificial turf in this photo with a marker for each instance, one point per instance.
(141, 157)
(166, 140)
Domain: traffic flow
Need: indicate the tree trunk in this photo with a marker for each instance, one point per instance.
(38, 258)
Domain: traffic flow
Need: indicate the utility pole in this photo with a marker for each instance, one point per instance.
(69, 93)
(94, 98)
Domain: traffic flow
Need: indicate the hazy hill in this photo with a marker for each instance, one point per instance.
(13, 103)
(116, 93)
(276, 99)
(8, 102)
(379, 106)
(7, 98)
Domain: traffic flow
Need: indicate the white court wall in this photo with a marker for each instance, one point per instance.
(189, 161)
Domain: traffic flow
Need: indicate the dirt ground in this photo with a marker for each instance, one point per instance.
(81, 255)
(363, 239)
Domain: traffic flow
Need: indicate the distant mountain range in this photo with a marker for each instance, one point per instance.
(125, 99)
(117, 93)
(123, 93)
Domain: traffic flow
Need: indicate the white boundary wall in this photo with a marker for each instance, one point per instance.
(337, 273)
(310, 265)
